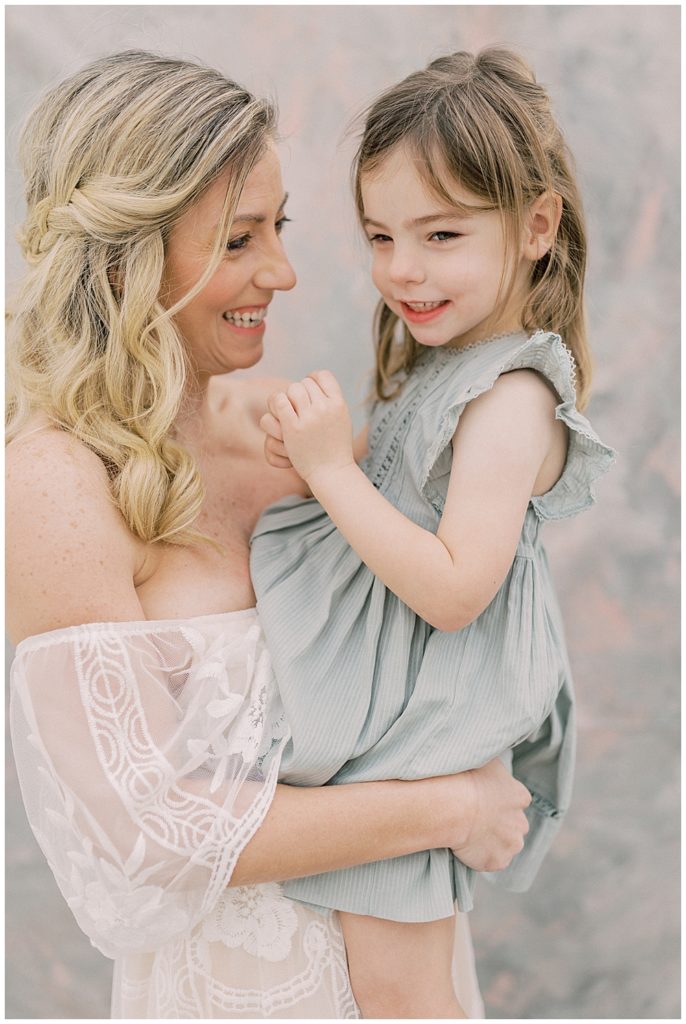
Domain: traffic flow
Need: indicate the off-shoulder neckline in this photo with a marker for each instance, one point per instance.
(130, 626)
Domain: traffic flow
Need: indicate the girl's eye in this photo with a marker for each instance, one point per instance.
(444, 236)
(235, 244)
(280, 223)
(374, 239)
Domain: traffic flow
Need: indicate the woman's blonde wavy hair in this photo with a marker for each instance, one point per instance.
(111, 158)
(483, 121)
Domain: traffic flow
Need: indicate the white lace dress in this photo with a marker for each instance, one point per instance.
(148, 753)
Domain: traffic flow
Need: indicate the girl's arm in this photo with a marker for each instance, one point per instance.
(360, 444)
(499, 447)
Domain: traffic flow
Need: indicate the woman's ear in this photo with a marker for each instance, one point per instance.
(542, 222)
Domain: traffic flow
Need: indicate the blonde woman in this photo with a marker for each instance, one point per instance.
(145, 722)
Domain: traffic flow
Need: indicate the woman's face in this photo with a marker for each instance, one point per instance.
(223, 325)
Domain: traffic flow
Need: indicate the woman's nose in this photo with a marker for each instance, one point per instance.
(276, 272)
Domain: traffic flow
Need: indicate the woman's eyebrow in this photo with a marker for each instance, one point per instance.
(258, 218)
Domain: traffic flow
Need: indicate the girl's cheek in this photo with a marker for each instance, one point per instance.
(377, 276)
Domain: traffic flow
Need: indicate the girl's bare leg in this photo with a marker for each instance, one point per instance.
(400, 969)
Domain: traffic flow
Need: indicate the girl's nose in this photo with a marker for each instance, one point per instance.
(405, 268)
(276, 272)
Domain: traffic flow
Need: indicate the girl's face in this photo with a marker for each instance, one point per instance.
(438, 270)
(223, 325)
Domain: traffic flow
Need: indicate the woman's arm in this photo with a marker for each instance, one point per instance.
(479, 814)
(501, 442)
(70, 556)
(71, 561)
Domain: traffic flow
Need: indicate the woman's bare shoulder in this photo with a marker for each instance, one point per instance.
(50, 473)
(70, 556)
(36, 453)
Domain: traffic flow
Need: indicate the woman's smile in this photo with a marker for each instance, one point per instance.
(247, 319)
(223, 325)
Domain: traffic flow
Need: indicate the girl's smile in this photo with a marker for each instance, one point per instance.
(423, 312)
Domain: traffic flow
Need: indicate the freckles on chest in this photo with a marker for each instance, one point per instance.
(230, 509)
(236, 495)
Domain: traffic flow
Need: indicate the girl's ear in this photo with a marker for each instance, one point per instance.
(542, 222)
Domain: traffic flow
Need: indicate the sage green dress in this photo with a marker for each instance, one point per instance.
(372, 691)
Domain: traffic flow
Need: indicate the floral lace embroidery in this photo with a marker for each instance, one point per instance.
(258, 918)
(322, 957)
(177, 731)
(182, 983)
(132, 760)
(122, 908)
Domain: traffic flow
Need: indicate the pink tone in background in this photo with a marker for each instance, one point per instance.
(598, 935)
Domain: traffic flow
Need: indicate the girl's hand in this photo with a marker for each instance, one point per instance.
(315, 426)
(274, 448)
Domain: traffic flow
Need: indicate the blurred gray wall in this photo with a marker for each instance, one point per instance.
(598, 935)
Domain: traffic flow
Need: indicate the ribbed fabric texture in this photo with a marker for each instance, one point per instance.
(371, 691)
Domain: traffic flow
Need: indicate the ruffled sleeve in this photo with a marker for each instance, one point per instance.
(588, 457)
(147, 759)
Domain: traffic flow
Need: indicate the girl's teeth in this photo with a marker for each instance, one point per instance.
(421, 307)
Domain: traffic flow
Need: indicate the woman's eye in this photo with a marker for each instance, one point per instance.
(235, 244)
(280, 223)
(379, 238)
(444, 236)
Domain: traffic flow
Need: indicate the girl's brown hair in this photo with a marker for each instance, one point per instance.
(485, 122)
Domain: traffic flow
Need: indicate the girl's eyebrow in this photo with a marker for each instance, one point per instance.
(258, 218)
(454, 214)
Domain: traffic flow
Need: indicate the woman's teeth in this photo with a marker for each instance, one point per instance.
(251, 319)
(421, 307)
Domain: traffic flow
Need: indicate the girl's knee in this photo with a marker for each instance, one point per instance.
(401, 969)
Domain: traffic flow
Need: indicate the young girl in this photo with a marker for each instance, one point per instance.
(420, 574)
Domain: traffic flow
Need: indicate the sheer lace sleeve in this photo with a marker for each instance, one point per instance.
(147, 755)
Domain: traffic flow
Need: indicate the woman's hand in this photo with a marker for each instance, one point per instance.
(492, 808)
(308, 426)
